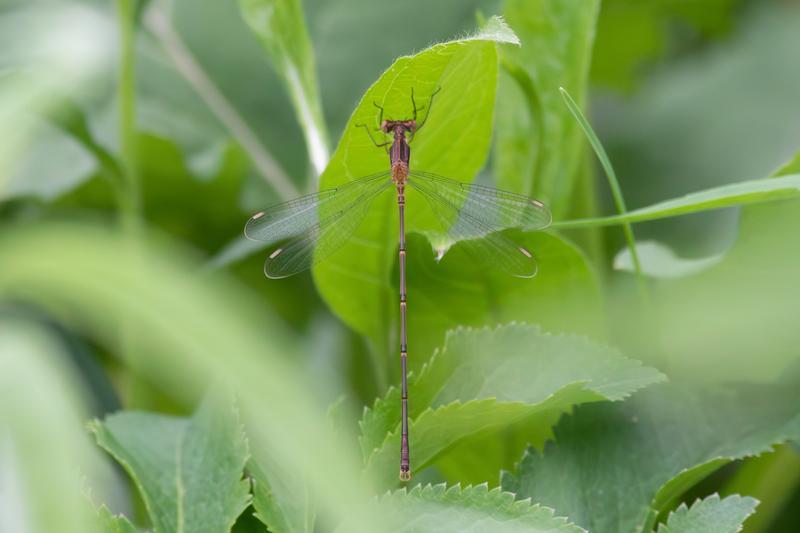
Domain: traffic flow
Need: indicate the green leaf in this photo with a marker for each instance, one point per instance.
(188, 471)
(114, 523)
(45, 458)
(209, 209)
(751, 294)
(281, 499)
(281, 29)
(711, 515)
(485, 380)
(355, 281)
(612, 467)
(471, 509)
(563, 297)
(660, 261)
(538, 152)
(633, 35)
(735, 194)
(50, 166)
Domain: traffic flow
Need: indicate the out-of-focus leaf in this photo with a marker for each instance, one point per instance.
(280, 27)
(596, 472)
(114, 523)
(469, 509)
(199, 327)
(188, 472)
(257, 113)
(202, 212)
(355, 281)
(710, 515)
(714, 117)
(538, 152)
(632, 34)
(45, 456)
(285, 508)
(747, 302)
(772, 479)
(49, 167)
(485, 380)
(660, 261)
(51, 51)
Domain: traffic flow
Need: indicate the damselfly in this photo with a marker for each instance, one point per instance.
(311, 228)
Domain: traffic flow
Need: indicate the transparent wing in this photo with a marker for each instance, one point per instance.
(493, 207)
(326, 236)
(478, 232)
(300, 215)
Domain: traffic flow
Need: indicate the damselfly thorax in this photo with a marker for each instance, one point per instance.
(315, 226)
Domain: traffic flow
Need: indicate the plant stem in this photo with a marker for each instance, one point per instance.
(130, 199)
(264, 162)
(128, 189)
(616, 191)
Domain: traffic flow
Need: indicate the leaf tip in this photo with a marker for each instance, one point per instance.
(496, 29)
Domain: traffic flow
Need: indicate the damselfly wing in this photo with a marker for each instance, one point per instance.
(311, 228)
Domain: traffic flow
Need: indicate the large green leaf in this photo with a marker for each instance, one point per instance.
(538, 151)
(188, 471)
(469, 509)
(280, 27)
(613, 466)
(563, 297)
(485, 380)
(711, 515)
(355, 281)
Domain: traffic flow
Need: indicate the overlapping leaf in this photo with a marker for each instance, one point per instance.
(469, 509)
(613, 466)
(111, 523)
(454, 142)
(484, 380)
(710, 515)
(539, 151)
(281, 498)
(188, 471)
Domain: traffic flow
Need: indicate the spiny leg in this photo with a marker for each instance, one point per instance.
(380, 122)
(430, 105)
(427, 113)
(380, 115)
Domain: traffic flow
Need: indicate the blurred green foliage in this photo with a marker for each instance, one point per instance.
(233, 402)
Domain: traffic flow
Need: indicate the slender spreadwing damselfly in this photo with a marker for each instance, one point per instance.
(311, 228)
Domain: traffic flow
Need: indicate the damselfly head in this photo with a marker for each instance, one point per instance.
(399, 126)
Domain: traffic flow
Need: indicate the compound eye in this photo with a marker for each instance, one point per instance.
(385, 126)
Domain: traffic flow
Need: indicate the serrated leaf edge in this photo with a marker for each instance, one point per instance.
(508, 499)
(498, 329)
(683, 509)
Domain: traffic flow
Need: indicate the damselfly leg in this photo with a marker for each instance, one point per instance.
(309, 229)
